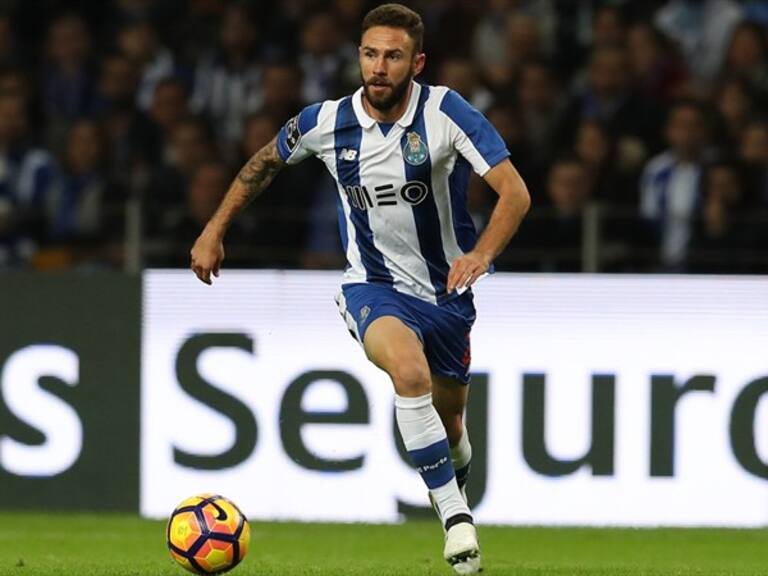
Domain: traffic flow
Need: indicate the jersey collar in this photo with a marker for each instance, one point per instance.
(405, 120)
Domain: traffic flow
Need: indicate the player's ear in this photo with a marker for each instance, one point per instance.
(418, 63)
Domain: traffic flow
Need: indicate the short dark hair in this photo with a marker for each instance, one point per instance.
(397, 16)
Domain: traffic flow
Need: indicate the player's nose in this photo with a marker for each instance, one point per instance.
(380, 66)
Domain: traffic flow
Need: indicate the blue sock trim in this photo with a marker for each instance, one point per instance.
(433, 463)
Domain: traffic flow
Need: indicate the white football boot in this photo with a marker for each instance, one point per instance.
(462, 550)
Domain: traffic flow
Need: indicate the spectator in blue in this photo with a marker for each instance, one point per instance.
(610, 97)
(87, 207)
(67, 85)
(28, 177)
(670, 189)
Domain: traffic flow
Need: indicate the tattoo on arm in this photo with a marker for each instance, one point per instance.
(261, 169)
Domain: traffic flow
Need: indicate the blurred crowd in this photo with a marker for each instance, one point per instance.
(641, 127)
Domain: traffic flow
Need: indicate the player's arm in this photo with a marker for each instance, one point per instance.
(512, 205)
(208, 250)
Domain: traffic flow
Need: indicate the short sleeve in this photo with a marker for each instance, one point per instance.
(472, 134)
(298, 139)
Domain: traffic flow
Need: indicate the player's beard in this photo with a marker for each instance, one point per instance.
(385, 103)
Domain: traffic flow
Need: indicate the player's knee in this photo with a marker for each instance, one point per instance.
(410, 379)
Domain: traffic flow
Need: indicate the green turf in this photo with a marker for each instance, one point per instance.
(63, 545)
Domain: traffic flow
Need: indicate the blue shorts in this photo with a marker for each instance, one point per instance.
(443, 330)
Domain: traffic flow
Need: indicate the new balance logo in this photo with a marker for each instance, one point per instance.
(347, 154)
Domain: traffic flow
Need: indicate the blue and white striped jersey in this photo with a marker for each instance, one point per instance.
(402, 188)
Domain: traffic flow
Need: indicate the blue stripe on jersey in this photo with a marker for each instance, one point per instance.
(476, 126)
(425, 212)
(347, 136)
(306, 122)
(463, 227)
(342, 223)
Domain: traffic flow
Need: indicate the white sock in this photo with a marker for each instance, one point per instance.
(427, 444)
(461, 456)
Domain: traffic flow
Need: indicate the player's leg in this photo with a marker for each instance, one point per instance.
(449, 396)
(395, 348)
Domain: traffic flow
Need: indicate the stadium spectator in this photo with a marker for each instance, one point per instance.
(753, 151)
(608, 27)
(524, 41)
(747, 54)
(702, 29)
(670, 187)
(596, 149)
(720, 230)
(9, 54)
(349, 14)
(139, 42)
(86, 210)
(169, 107)
(189, 146)
(555, 233)
(328, 63)
(202, 196)
(228, 81)
(656, 66)
(67, 84)
(461, 75)
(609, 97)
(28, 176)
(540, 105)
(282, 90)
(735, 103)
(129, 133)
(489, 39)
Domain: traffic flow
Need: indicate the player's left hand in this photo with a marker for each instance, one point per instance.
(466, 269)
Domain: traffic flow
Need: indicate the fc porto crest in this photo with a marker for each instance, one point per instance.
(415, 151)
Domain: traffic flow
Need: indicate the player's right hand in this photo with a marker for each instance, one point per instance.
(207, 255)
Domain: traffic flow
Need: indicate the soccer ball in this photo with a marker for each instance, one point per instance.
(207, 534)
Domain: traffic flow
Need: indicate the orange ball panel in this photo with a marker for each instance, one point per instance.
(215, 555)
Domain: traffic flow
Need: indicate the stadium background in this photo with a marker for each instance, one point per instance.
(640, 129)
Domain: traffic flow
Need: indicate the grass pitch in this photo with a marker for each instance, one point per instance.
(84, 545)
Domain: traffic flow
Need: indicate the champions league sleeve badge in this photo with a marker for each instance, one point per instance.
(292, 133)
(415, 151)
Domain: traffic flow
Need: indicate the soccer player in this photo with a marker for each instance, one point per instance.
(401, 154)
